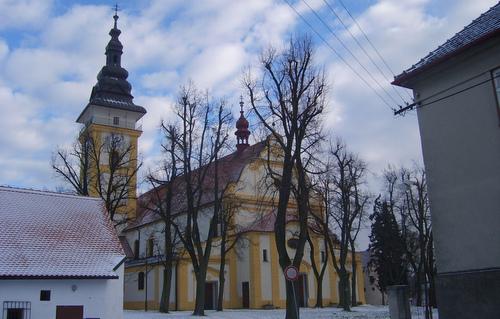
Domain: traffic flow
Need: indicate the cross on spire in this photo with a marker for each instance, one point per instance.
(116, 13)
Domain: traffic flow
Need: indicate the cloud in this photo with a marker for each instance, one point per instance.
(24, 14)
(46, 78)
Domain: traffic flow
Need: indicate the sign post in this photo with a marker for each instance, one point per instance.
(292, 274)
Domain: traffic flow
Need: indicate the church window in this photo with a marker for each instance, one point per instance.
(136, 249)
(323, 257)
(115, 59)
(44, 295)
(140, 281)
(264, 255)
(116, 120)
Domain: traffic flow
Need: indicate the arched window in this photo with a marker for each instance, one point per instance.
(140, 281)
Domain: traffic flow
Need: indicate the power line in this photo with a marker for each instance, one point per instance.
(339, 56)
(368, 40)
(419, 104)
(363, 49)
(350, 52)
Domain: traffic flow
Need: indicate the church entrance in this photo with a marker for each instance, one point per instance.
(210, 295)
(301, 290)
(245, 289)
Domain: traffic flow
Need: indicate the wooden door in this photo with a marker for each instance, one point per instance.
(245, 289)
(69, 312)
(301, 290)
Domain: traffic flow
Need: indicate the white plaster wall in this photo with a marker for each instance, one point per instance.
(131, 288)
(265, 270)
(104, 115)
(243, 266)
(100, 298)
(460, 138)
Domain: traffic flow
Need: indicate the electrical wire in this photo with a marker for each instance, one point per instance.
(368, 40)
(340, 56)
(363, 49)
(418, 104)
(350, 52)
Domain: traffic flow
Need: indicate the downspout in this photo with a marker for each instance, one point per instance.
(177, 285)
(146, 286)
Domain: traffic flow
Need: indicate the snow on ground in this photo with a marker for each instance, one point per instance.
(361, 312)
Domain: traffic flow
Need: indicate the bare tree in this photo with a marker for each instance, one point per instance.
(159, 200)
(288, 100)
(229, 236)
(101, 166)
(340, 190)
(202, 139)
(416, 210)
(406, 194)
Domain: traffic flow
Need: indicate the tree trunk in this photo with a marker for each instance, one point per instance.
(292, 308)
(354, 301)
(344, 291)
(319, 293)
(199, 306)
(222, 278)
(165, 292)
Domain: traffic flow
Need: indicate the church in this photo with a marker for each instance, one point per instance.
(253, 277)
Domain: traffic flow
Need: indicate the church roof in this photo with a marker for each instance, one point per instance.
(53, 235)
(481, 29)
(230, 168)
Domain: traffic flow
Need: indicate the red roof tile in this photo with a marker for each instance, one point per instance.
(230, 168)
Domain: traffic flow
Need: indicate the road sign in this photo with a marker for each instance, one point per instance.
(291, 273)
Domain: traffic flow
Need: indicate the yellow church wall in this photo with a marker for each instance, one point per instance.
(96, 131)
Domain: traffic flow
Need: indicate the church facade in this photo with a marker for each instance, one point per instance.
(253, 277)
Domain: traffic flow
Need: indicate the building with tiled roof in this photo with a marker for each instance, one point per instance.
(57, 251)
(253, 278)
(457, 92)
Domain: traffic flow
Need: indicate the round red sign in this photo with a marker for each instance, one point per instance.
(291, 273)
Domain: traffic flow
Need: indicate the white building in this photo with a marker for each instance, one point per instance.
(457, 95)
(60, 257)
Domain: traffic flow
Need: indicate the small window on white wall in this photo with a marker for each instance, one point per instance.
(44, 295)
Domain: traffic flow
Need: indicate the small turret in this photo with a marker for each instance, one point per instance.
(242, 133)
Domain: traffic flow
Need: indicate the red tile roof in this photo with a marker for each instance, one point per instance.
(52, 235)
(230, 168)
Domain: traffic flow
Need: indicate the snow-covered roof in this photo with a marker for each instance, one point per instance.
(53, 235)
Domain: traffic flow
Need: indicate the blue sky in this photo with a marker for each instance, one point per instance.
(51, 52)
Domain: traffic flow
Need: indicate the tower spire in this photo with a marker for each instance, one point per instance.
(115, 17)
(242, 133)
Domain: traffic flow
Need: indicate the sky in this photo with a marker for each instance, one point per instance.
(52, 50)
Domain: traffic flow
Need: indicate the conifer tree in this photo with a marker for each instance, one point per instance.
(387, 249)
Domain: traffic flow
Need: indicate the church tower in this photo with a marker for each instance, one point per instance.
(110, 115)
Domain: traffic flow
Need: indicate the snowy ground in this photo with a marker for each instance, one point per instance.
(361, 312)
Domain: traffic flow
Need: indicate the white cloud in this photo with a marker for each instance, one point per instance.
(159, 80)
(24, 14)
(46, 78)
